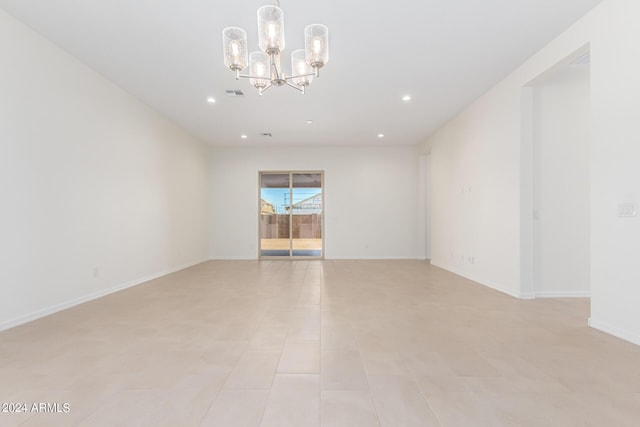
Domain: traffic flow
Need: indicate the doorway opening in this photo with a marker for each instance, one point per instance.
(291, 214)
(559, 166)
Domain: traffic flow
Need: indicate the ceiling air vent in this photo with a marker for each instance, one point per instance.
(234, 92)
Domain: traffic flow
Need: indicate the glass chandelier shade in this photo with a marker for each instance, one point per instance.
(259, 68)
(264, 65)
(234, 43)
(270, 29)
(316, 45)
(300, 67)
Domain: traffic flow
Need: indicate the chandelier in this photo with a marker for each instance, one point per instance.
(264, 65)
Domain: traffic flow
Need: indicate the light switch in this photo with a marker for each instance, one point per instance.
(627, 210)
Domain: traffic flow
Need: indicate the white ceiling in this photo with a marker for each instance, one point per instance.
(444, 53)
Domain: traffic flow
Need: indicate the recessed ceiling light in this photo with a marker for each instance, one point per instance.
(309, 122)
(243, 136)
(406, 98)
(211, 100)
(381, 135)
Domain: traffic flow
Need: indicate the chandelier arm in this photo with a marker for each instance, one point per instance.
(265, 88)
(248, 76)
(296, 87)
(299, 76)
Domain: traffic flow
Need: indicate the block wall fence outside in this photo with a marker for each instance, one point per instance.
(304, 226)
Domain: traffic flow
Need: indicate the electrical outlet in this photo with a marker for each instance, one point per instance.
(96, 272)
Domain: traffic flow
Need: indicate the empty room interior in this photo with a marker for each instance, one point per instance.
(410, 214)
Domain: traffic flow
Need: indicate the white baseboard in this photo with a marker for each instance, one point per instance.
(375, 258)
(563, 294)
(519, 295)
(495, 287)
(20, 320)
(328, 258)
(615, 331)
(526, 295)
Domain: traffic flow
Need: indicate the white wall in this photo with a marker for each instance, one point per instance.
(371, 199)
(475, 193)
(97, 191)
(487, 142)
(615, 166)
(561, 201)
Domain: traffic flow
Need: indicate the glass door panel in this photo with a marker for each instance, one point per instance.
(291, 214)
(275, 227)
(306, 214)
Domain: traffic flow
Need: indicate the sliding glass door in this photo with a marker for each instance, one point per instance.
(291, 214)
(306, 214)
(275, 228)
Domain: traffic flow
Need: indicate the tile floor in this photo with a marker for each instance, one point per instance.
(319, 343)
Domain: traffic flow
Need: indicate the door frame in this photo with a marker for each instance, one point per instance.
(322, 222)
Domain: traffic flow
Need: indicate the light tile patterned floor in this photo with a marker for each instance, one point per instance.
(320, 343)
